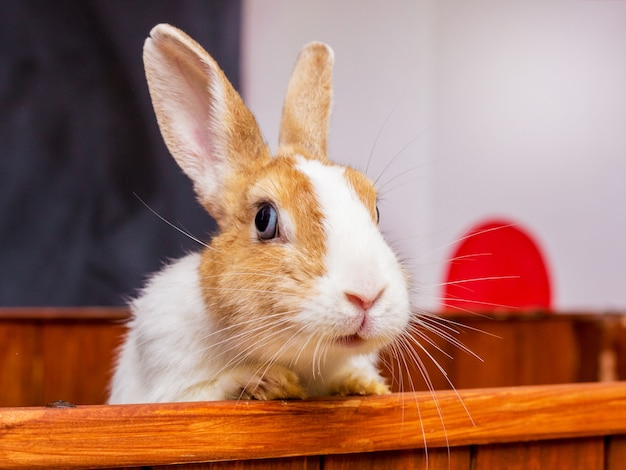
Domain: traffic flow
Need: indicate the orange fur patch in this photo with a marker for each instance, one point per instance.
(251, 279)
(306, 111)
(364, 189)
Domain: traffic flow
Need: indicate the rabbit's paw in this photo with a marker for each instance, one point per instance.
(273, 383)
(356, 385)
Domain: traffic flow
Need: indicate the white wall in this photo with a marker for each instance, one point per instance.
(514, 109)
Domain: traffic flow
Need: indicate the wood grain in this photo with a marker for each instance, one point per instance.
(30, 314)
(78, 360)
(414, 459)
(288, 463)
(542, 352)
(67, 353)
(531, 349)
(570, 454)
(616, 452)
(132, 435)
(20, 364)
(49, 354)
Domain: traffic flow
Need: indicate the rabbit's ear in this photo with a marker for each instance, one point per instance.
(306, 111)
(203, 120)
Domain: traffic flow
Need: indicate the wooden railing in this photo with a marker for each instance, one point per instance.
(571, 426)
(47, 355)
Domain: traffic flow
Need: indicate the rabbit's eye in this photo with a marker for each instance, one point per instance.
(266, 222)
(377, 215)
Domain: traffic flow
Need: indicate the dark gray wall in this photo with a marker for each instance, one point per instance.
(79, 143)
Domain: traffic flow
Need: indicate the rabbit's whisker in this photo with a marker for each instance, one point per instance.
(391, 161)
(240, 324)
(381, 187)
(245, 354)
(261, 274)
(175, 227)
(427, 319)
(473, 279)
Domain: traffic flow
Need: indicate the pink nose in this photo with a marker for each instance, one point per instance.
(361, 301)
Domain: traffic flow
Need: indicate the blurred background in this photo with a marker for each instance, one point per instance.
(80, 149)
(465, 113)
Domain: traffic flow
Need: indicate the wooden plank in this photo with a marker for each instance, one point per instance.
(47, 354)
(457, 458)
(613, 357)
(589, 333)
(515, 350)
(20, 364)
(288, 463)
(156, 434)
(615, 452)
(78, 359)
(518, 351)
(118, 314)
(570, 454)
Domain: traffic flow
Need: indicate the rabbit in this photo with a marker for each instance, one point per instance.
(298, 291)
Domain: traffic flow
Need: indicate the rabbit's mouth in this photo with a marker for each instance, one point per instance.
(351, 340)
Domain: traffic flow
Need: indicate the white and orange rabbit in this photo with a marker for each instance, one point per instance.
(298, 292)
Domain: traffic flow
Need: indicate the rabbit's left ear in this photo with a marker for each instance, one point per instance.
(204, 122)
(306, 111)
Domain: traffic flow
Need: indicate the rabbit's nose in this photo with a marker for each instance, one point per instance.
(363, 301)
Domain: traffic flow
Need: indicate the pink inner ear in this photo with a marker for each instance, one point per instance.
(496, 266)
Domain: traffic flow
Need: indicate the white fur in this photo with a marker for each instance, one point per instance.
(175, 351)
(163, 356)
(358, 261)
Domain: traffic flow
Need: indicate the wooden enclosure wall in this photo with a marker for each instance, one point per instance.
(54, 354)
(67, 354)
(51, 354)
(528, 349)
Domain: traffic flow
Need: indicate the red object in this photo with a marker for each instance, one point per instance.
(496, 266)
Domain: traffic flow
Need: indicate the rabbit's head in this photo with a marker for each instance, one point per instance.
(299, 270)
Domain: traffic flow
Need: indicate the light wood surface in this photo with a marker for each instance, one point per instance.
(154, 434)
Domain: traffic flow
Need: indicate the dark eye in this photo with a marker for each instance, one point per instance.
(266, 222)
(377, 215)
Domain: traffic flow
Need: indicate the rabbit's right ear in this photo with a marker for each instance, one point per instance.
(306, 111)
(203, 120)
